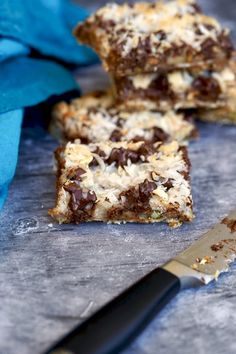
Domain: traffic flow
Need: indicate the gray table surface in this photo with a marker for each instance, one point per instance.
(54, 276)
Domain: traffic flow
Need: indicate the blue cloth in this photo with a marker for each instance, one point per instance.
(10, 124)
(30, 81)
(47, 27)
(10, 48)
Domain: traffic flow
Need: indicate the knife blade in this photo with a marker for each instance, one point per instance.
(208, 257)
(116, 324)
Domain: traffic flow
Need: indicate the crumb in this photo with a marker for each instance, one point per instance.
(230, 223)
(194, 266)
(207, 260)
(217, 246)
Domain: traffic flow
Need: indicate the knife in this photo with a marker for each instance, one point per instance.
(115, 325)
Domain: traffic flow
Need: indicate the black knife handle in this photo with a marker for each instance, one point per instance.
(113, 327)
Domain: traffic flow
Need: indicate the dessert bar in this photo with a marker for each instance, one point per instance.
(94, 118)
(123, 182)
(148, 37)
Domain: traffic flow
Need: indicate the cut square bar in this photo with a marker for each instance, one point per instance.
(94, 118)
(148, 37)
(123, 182)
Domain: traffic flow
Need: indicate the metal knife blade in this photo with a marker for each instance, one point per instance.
(208, 257)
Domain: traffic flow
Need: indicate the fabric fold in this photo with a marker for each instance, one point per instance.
(30, 81)
(10, 128)
(25, 26)
(47, 27)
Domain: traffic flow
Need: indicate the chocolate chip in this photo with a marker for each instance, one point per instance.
(161, 35)
(79, 172)
(146, 188)
(185, 157)
(146, 149)
(208, 48)
(100, 153)
(116, 135)
(160, 83)
(76, 174)
(159, 88)
(93, 163)
(121, 156)
(168, 184)
(146, 46)
(206, 88)
(137, 198)
(159, 135)
(131, 198)
(82, 202)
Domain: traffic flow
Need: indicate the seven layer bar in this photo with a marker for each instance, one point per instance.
(123, 182)
(160, 56)
(165, 56)
(94, 117)
(149, 37)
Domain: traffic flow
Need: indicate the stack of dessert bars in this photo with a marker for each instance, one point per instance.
(126, 157)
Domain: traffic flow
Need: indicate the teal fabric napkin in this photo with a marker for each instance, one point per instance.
(45, 26)
(30, 81)
(10, 124)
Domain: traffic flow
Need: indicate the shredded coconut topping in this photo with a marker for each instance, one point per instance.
(96, 123)
(108, 181)
(160, 24)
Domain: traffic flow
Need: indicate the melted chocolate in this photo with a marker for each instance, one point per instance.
(146, 149)
(82, 203)
(168, 184)
(121, 156)
(137, 198)
(206, 88)
(208, 48)
(100, 153)
(136, 201)
(145, 189)
(116, 135)
(159, 88)
(76, 175)
(185, 174)
(159, 135)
